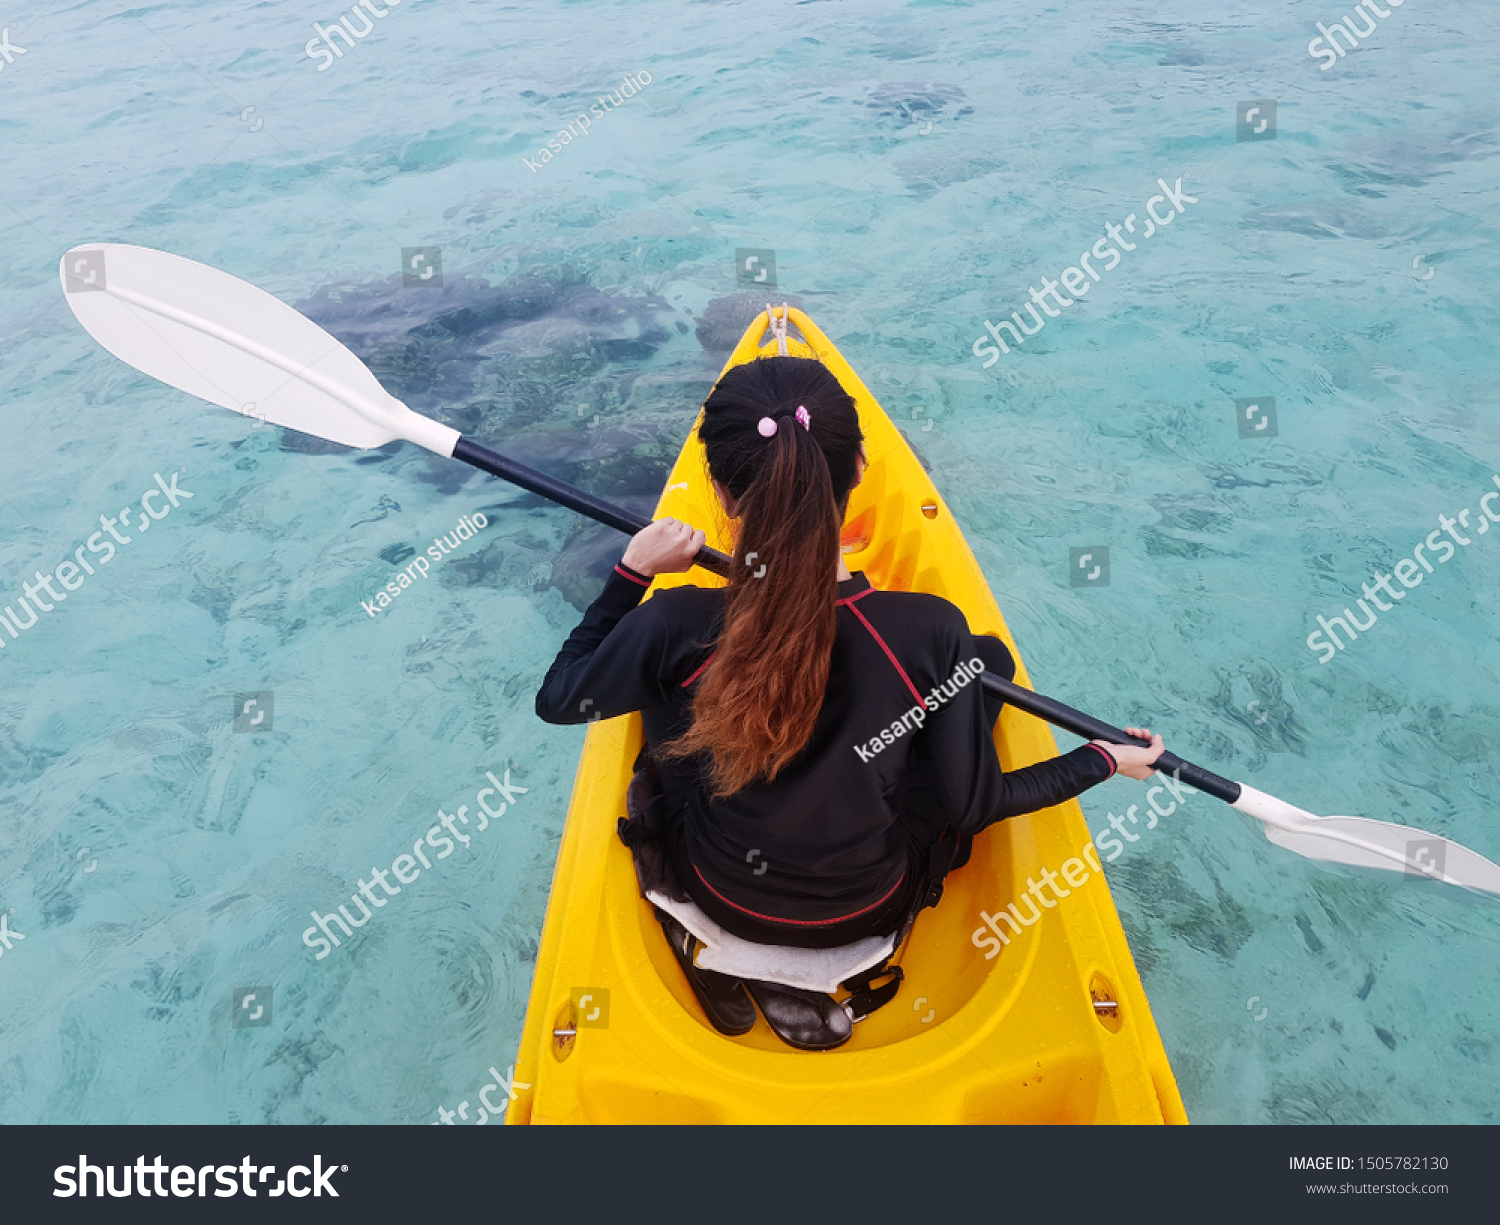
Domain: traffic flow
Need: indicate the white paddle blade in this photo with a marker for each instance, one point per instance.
(223, 340)
(1362, 843)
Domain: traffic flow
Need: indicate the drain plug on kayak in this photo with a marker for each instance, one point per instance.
(1106, 1003)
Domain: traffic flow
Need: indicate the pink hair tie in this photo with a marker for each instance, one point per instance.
(767, 427)
(804, 417)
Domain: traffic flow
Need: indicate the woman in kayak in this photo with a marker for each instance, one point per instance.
(796, 812)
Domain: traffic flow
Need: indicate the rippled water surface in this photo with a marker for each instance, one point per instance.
(915, 169)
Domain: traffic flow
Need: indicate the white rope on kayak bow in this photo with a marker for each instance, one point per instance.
(778, 327)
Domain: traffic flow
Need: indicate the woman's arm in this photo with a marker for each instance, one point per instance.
(966, 751)
(565, 693)
(622, 657)
(959, 738)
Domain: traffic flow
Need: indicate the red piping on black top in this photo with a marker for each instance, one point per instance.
(848, 603)
(634, 578)
(699, 671)
(799, 922)
(1108, 756)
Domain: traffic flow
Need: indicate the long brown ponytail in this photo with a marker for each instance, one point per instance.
(758, 700)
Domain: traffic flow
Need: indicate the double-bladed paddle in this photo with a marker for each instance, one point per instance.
(225, 341)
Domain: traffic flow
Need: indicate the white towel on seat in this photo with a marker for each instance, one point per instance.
(810, 969)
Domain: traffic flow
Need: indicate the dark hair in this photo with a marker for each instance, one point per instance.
(758, 700)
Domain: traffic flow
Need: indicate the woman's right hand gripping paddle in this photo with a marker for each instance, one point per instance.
(1135, 761)
(668, 546)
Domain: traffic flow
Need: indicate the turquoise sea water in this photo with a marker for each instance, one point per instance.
(915, 168)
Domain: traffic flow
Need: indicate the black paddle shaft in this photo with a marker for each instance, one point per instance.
(1048, 709)
(573, 498)
(1090, 728)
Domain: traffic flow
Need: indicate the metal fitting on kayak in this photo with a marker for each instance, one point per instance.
(564, 1032)
(1106, 1003)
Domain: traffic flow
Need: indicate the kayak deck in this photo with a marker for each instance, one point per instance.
(1027, 1036)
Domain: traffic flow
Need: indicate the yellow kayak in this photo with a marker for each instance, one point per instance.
(1053, 1027)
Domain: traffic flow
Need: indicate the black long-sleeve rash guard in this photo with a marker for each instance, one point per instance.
(824, 840)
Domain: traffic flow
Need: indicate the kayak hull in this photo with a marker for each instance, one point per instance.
(1053, 1026)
